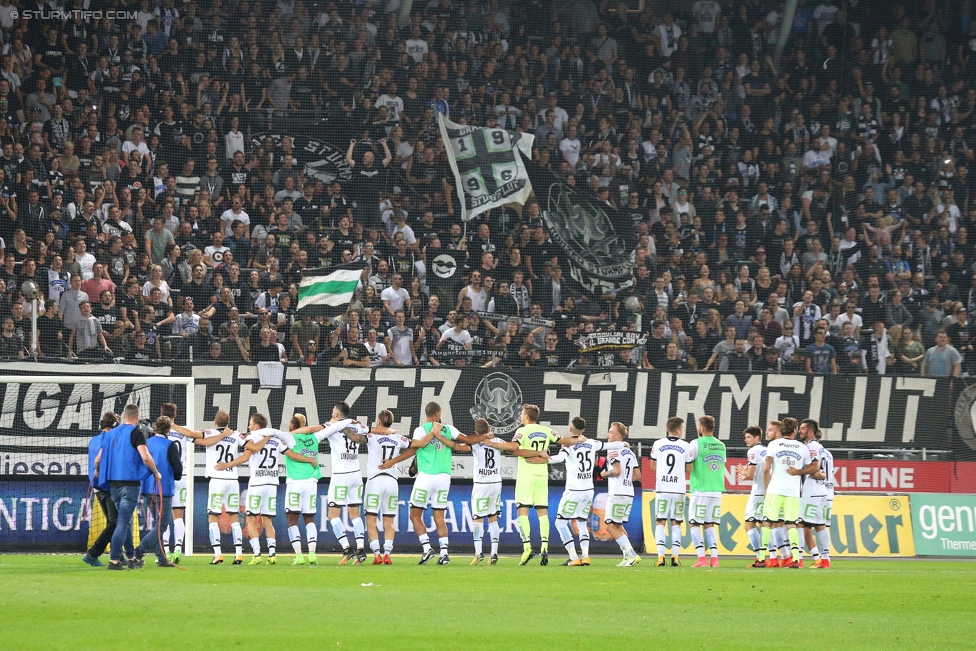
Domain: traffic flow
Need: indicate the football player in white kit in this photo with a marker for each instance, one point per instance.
(382, 498)
(817, 498)
(757, 495)
(577, 497)
(623, 469)
(786, 461)
(264, 453)
(771, 536)
(486, 492)
(178, 530)
(346, 484)
(669, 459)
(223, 446)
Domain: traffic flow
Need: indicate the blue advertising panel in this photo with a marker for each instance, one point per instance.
(457, 517)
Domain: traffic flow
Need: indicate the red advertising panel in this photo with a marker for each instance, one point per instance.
(875, 476)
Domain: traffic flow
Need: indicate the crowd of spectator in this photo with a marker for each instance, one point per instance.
(802, 210)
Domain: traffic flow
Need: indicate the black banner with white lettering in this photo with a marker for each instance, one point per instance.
(854, 411)
(44, 427)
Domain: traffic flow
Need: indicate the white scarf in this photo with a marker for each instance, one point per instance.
(882, 351)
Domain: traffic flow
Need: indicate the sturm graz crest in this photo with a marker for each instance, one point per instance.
(322, 161)
(498, 399)
(599, 257)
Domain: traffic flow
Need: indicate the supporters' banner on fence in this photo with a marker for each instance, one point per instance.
(487, 165)
(945, 525)
(457, 516)
(594, 239)
(326, 291)
(865, 411)
(522, 320)
(45, 427)
(860, 526)
(44, 516)
(599, 342)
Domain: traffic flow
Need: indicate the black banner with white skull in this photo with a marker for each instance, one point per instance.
(320, 160)
(594, 238)
(49, 424)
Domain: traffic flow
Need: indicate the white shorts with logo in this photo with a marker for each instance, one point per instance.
(486, 499)
(814, 511)
(302, 496)
(754, 508)
(430, 490)
(223, 494)
(382, 495)
(262, 500)
(179, 494)
(575, 504)
(705, 508)
(669, 506)
(618, 509)
(346, 489)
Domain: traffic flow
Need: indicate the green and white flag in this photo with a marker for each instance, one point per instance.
(328, 290)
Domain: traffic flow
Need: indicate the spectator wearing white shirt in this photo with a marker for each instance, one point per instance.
(570, 147)
(378, 355)
(394, 297)
(235, 214)
(213, 255)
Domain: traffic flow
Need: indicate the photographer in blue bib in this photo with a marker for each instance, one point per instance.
(120, 466)
(157, 494)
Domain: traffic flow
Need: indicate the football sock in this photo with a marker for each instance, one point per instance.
(215, 538)
(784, 541)
(675, 539)
(696, 538)
(478, 533)
(235, 529)
(624, 544)
(374, 546)
(359, 531)
(311, 535)
(524, 531)
(712, 538)
(765, 541)
(295, 536)
(494, 532)
(388, 545)
(179, 530)
(584, 537)
(443, 542)
(565, 533)
(544, 531)
(255, 546)
(425, 542)
(824, 536)
(660, 535)
(339, 530)
(272, 547)
(794, 537)
(755, 539)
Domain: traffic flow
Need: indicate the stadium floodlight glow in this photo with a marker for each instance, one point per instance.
(135, 380)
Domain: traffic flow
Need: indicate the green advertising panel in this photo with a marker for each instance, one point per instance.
(944, 524)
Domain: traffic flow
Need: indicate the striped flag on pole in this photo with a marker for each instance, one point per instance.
(328, 290)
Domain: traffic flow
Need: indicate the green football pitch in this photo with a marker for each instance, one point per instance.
(57, 602)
